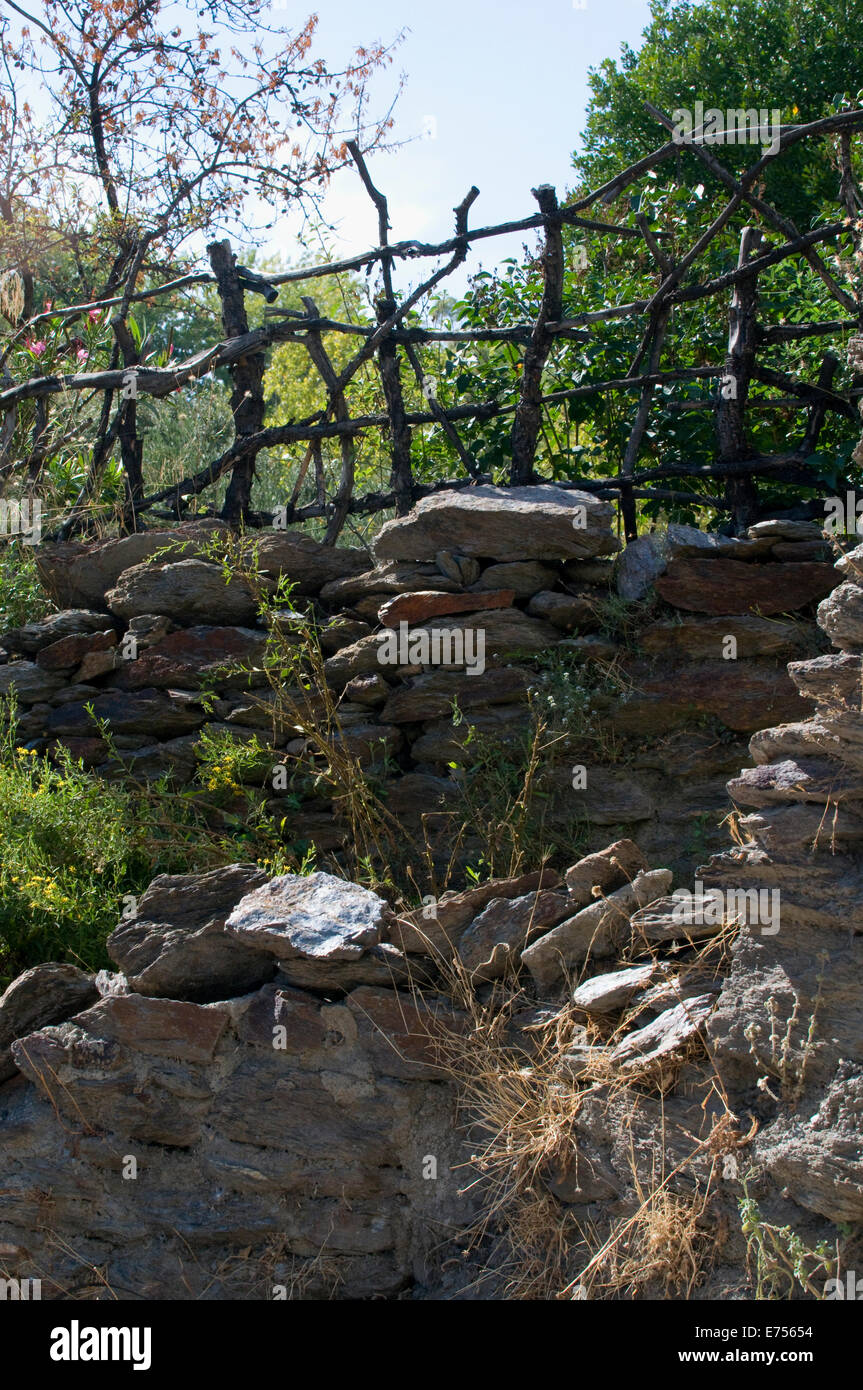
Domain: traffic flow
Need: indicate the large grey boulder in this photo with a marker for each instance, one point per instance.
(189, 591)
(174, 943)
(522, 523)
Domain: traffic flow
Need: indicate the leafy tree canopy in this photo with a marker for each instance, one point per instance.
(800, 56)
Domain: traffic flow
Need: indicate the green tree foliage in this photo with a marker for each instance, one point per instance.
(800, 56)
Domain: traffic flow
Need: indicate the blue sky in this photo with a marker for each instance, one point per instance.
(502, 87)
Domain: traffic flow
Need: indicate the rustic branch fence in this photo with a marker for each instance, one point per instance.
(391, 345)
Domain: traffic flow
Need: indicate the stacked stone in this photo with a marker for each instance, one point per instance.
(786, 1035)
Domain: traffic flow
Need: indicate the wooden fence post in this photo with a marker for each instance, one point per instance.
(741, 493)
(525, 428)
(131, 444)
(247, 375)
(400, 433)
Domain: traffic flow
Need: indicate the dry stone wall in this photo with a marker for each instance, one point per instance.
(259, 1102)
(506, 583)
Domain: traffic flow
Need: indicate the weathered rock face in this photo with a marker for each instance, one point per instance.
(185, 659)
(34, 637)
(39, 996)
(310, 1131)
(741, 699)
(30, 683)
(212, 1113)
(261, 1100)
(171, 712)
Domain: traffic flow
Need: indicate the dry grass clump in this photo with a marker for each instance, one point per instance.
(664, 1246)
(520, 1106)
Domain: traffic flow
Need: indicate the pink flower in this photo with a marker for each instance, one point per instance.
(37, 348)
(49, 305)
(94, 315)
(82, 354)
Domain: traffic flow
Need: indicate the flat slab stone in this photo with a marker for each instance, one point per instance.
(431, 696)
(684, 541)
(392, 577)
(522, 523)
(418, 607)
(30, 683)
(436, 927)
(605, 994)
(744, 695)
(674, 919)
(704, 639)
(186, 658)
(668, 1034)
(316, 916)
(525, 577)
(72, 622)
(565, 611)
(159, 713)
(68, 652)
(729, 586)
(606, 870)
(820, 780)
(781, 529)
(158, 1027)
